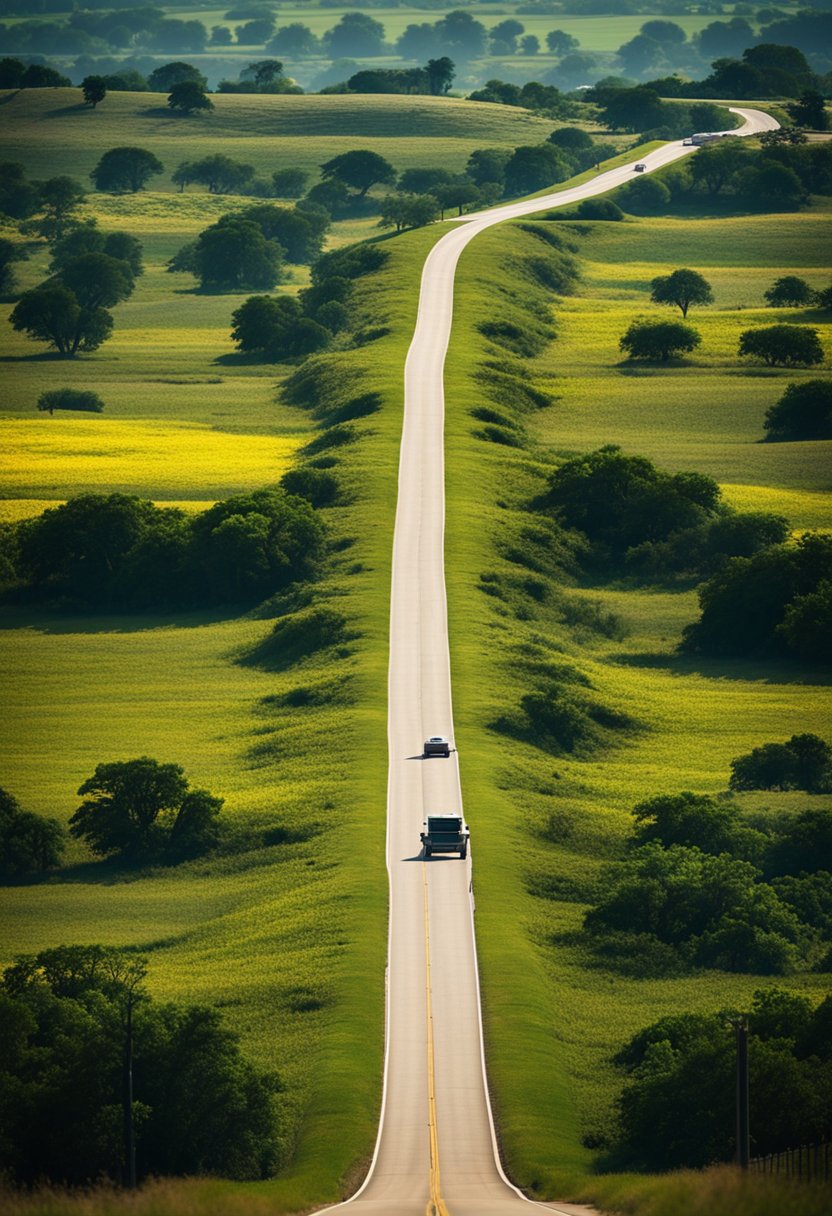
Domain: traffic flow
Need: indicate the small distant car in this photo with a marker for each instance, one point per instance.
(687, 143)
(640, 168)
(436, 745)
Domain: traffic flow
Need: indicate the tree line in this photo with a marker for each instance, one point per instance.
(71, 1017)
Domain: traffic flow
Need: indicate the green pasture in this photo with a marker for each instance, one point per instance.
(553, 1019)
(51, 131)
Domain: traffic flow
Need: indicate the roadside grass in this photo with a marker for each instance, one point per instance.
(553, 1015)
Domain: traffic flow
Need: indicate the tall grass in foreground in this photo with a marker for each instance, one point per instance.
(719, 1191)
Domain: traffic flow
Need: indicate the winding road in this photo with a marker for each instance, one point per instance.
(436, 1151)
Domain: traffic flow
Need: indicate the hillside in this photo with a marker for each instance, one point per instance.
(50, 130)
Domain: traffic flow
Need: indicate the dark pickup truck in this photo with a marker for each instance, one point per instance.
(445, 834)
(436, 745)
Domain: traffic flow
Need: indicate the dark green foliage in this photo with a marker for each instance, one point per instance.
(218, 173)
(70, 310)
(534, 167)
(802, 843)
(682, 288)
(713, 909)
(189, 97)
(299, 231)
(234, 255)
(810, 111)
(125, 169)
(790, 291)
(360, 170)
(19, 199)
(122, 806)
(561, 715)
(58, 200)
(782, 345)
(644, 196)
(301, 635)
(200, 1107)
(163, 78)
(810, 898)
(803, 412)
(70, 399)
(121, 552)
(803, 762)
(807, 624)
(677, 1107)
(10, 252)
(29, 843)
(659, 341)
(317, 486)
(88, 238)
(488, 165)
(94, 89)
(600, 209)
(702, 549)
(289, 183)
(695, 820)
(350, 262)
(745, 604)
(276, 328)
(620, 502)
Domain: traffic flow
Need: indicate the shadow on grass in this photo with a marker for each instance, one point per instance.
(43, 356)
(50, 621)
(69, 111)
(751, 670)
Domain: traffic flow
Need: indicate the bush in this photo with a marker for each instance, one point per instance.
(644, 196)
(803, 762)
(803, 412)
(782, 345)
(70, 399)
(600, 209)
(659, 341)
(301, 635)
(788, 292)
(200, 1106)
(745, 604)
(29, 843)
(317, 486)
(697, 821)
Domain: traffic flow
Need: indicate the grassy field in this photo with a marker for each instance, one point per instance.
(544, 999)
(51, 131)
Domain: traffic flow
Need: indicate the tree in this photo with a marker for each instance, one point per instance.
(667, 33)
(357, 35)
(97, 281)
(18, 198)
(70, 399)
(125, 169)
(360, 169)
(59, 199)
(28, 843)
(803, 412)
(810, 111)
(440, 72)
(530, 45)
(644, 196)
(637, 109)
(295, 41)
(69, 1017)
(697, 821)
(276, 328)
(409, 211)
(782, 345)
(255, 32)
(459, 192)
(503, 36)
(51, 313)
(534, 167)
(189, 97)
(461, 35)
(298, 232)
(571, 139)
(10, 252)
(716, 165)
(788, 292)
(39, 76)
(219, 173)
(95, 89)
(659, 340)
(640, 54)
(423, 181)
(234, 255)
(289, 183)
(681, 288)
(87, 237)
(162, 79)
(488, 165)
(560, 43)
(123, 802)
(803, 762)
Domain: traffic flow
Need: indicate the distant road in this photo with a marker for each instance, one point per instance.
(436, 1151)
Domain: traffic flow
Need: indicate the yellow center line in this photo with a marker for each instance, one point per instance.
(436, 1204)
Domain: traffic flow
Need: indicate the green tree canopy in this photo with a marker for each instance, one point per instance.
(659, 341)
(189, 97)
(681, 288)
(29, 843)
(803, 412)
(782, 345)
(360, 170)
(125, 170)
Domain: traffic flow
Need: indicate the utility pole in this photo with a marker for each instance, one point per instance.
(743, 1132)
(129, 1132)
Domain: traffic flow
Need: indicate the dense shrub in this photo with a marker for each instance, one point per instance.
(600, 209)
(659, 341)
(677, 1106)
(803, 762)
(803, 412)
(117, 551)
(200, 1106)
(748, 606)
(29, 843)
(70, 399)
(782, 345)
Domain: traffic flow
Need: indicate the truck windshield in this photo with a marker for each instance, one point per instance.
(443, 825)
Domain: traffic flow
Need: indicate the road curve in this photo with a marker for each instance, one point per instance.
(436, 1151)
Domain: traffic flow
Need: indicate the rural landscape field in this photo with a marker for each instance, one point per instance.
(253, 554)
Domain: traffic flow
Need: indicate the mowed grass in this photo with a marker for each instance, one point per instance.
(50, 130)
(553, 1018)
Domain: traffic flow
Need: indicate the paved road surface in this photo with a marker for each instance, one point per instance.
(436, 1151)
